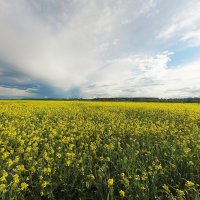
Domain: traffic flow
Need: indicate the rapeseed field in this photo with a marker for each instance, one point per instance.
(99, 150)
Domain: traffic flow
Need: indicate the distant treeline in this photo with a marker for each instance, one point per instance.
(144, 99)
(124, 99)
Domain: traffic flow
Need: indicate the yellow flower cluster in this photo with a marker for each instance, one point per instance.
(189, 184)
(110, 182)
(98, 150)
(121, 193)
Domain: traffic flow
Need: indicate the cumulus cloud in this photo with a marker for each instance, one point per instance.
(147, 76)
(59, 46)
(96, 48)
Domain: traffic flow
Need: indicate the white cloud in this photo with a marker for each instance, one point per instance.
(122, 74)
(183, 24)
(60, 47)
(145, 76)
(15, 92)
(61, 58)
(105, 48)
(126, 21)
(192, 38)
(147, 7)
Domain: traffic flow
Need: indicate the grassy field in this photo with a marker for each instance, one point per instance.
(91, 150)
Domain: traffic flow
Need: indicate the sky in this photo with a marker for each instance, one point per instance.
(93, 48)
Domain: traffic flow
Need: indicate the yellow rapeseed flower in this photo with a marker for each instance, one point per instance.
(110, 182)
(24, 186)
(2, 188)
(91, 177)
(121, 193)
(20, 168)
(189, 184)
(190, 163)
(180, 194)
(15, 179)
(44, 184)
(4, 175)
(166, 188)
(122, 175)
